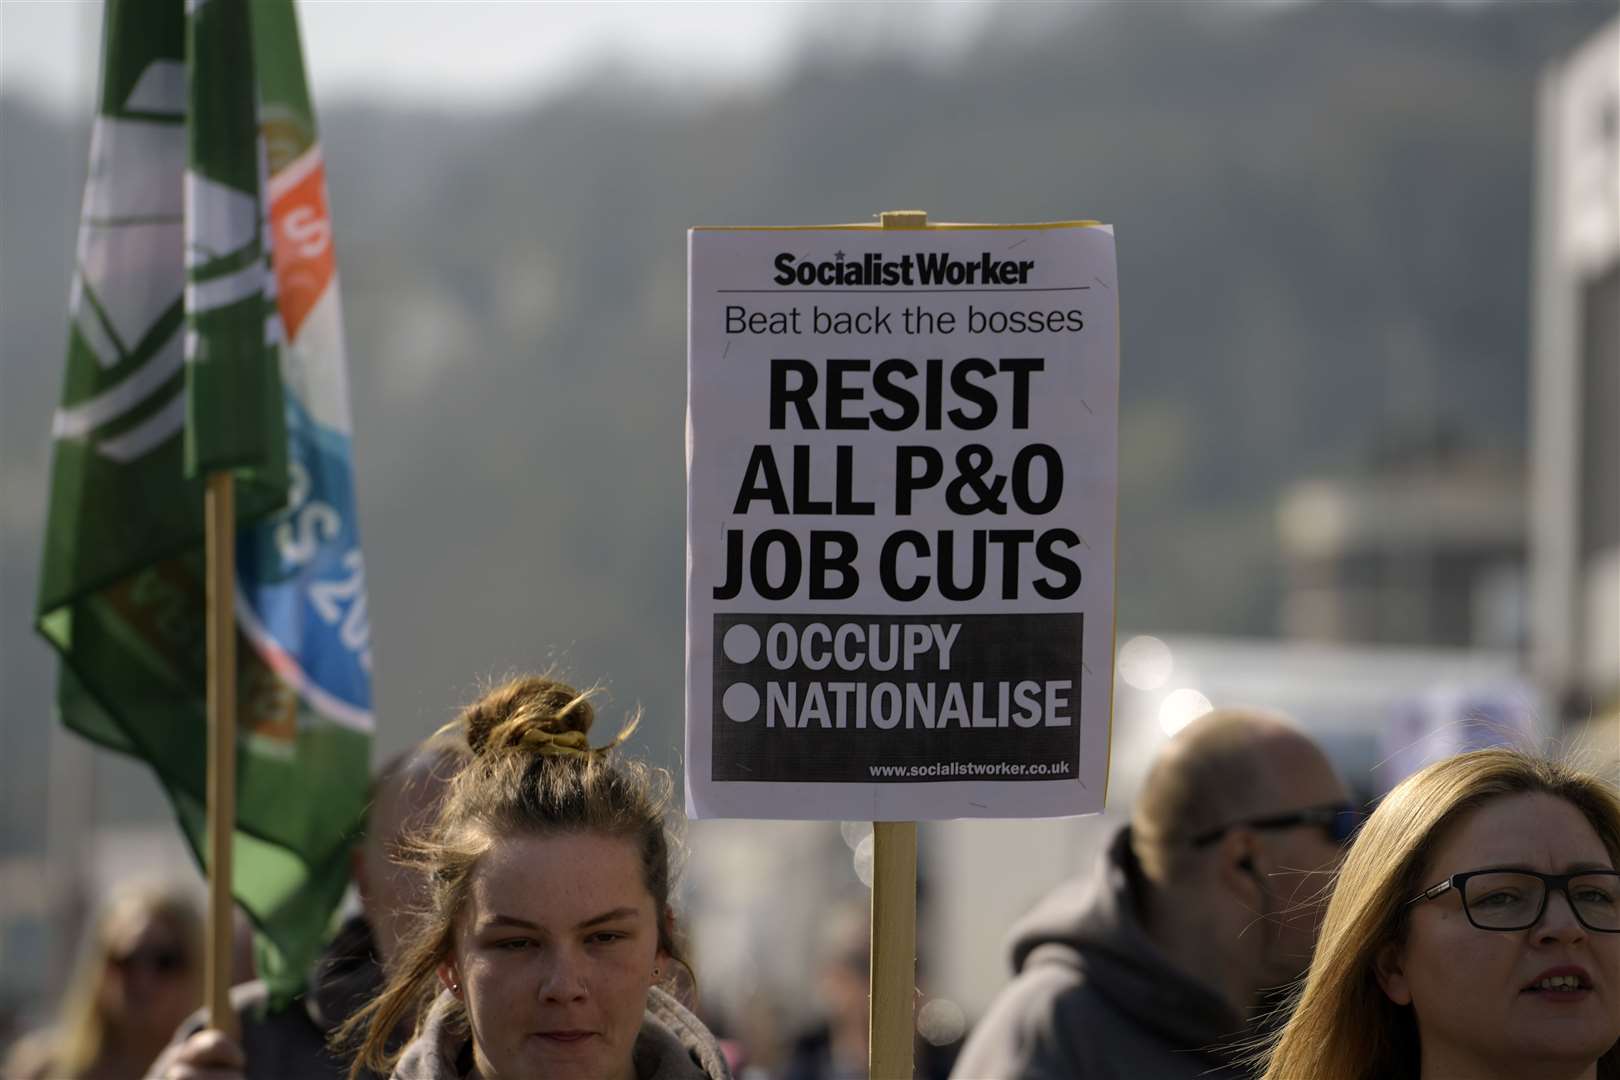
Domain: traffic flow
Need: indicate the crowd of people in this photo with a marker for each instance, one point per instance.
(1249, 921)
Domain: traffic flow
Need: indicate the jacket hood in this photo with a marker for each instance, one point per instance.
(672, 1044)
(1092, 924)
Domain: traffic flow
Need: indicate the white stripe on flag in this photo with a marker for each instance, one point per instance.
(293, 173)
(161, 89)
(92, 329)
(220, 220)
(285, 665)
(135, 171)
(77, 421)
(157, 428)
(218, 292)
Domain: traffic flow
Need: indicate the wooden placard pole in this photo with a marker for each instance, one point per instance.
(894, 950)
(893, 973)
(219, 508)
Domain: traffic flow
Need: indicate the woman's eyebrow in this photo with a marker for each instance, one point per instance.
(509, 920)
(607, 916)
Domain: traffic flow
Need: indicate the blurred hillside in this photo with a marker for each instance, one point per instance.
(1323, 218)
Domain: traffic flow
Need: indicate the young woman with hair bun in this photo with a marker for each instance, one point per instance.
(549, 939)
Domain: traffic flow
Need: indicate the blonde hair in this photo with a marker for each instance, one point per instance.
(529, 769)
(1343, 1026)
(83, 1034)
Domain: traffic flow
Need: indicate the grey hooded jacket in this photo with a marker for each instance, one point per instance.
(1094, 999)
(672, 1045)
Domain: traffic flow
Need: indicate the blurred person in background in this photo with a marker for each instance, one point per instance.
(1155, 965)
(406, 796)
(139, 974)
(835, 1048)
(1473, 932)
(550, 936)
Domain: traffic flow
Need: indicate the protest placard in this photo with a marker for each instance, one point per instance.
(901, 486)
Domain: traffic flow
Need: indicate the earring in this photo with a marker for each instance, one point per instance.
(655, 973)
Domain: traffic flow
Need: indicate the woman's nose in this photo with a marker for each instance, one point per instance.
(564, 977)
(1558, 922)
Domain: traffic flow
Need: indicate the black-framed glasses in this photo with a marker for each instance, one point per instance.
(1511, 899)
(1340, 822)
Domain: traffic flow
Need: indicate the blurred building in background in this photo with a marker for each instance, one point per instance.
(1575, 381)
(1428, 548)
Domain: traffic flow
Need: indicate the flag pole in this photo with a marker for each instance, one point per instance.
(219, 504)
(893, 973)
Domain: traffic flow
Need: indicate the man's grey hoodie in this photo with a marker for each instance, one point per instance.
(1093, 998)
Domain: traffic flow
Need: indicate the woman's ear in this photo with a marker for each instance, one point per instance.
(450, 977)
(1387, 966)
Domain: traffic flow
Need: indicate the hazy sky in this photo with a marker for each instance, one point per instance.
(485, 51)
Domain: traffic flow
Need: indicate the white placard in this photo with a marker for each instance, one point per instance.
(901, 487)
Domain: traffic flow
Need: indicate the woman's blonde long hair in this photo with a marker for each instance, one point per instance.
(529, 769)
(83, 1033)
(1343, 1027)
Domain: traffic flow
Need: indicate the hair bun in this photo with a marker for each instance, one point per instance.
(531, 712)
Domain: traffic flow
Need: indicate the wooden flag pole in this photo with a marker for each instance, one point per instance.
(890, 1023)
(219, 505)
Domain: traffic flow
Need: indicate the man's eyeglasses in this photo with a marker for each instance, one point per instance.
(159, 961)
(1517, 899)
(1339, 822)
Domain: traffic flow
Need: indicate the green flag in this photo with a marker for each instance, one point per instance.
(205, 334)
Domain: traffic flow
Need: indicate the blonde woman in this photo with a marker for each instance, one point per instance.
(1473, 934)
(139, 976)
(550, 936)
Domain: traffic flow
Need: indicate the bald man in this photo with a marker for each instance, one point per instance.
(292, 1043)
(1158, 963)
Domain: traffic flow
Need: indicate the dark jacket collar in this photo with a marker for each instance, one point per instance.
(348, 975)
